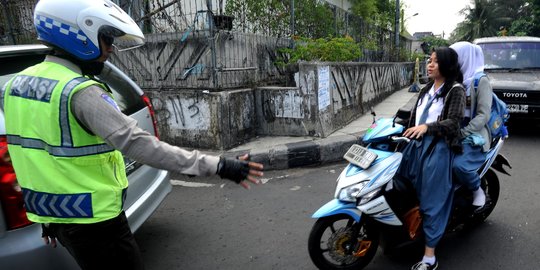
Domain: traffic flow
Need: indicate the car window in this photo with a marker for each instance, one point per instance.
(511, 55)
(17, 64)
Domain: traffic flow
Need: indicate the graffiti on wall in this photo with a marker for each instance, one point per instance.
(180, 112)
(241, 110)
(347, 84)
(383, 79)
(354, 85)
(288, 104)
(376, 78)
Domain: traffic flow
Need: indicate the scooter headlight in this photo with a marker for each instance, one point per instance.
(366, 198)
(350, 193)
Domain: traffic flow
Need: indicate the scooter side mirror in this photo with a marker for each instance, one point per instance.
(402, 116)
(403, 113)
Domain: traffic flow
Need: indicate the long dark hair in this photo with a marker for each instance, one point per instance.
(447, 59)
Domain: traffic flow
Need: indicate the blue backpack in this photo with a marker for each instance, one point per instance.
(499, 113)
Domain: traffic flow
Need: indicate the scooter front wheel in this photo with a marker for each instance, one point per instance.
(339, 242)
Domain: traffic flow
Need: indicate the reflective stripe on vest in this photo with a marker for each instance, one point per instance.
(58, 205)
(64, 110)
(59, 151)
(66, 149)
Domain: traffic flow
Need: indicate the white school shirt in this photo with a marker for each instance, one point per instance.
(436, 107)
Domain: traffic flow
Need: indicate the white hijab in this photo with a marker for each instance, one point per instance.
(470, 59)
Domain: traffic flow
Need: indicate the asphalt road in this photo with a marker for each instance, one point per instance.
(222, 226)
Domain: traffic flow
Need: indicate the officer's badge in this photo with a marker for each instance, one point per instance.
(110, 100)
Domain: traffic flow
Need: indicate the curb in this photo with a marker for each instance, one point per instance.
(310, 152)
(301, 154)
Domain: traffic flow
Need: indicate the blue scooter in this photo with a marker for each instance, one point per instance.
(370, 208)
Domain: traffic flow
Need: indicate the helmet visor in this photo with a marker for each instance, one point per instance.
(127, 42)
(120, 40)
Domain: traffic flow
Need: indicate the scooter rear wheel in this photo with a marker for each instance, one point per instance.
(333, 243)
(490, 184)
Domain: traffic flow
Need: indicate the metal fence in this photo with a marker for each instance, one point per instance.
(16, 22)
(216, 44)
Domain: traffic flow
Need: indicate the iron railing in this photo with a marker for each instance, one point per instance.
(216, 44)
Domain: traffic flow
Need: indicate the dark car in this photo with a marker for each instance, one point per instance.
(21, 246)
(513, 66)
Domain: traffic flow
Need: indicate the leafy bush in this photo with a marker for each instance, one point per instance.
(342, 49)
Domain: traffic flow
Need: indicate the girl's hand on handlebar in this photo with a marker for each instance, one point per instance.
(416, 132)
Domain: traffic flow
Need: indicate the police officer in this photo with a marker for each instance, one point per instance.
(66, 135)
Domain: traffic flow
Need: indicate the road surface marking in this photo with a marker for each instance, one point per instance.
(190, 184)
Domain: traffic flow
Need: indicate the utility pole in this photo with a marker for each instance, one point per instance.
(211, 40)
(396, 30)
(292, 19)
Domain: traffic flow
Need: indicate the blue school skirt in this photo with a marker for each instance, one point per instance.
(427, 164)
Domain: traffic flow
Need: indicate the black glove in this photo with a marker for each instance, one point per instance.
(233, 169)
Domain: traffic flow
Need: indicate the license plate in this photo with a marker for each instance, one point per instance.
(360, 156)
(517, 108)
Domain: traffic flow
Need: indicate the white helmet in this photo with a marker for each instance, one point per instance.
(75, 25)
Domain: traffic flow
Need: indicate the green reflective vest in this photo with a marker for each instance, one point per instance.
(67, 174)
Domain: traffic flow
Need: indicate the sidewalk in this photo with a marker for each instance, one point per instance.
(288, 152)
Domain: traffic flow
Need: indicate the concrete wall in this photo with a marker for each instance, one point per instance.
(196, 109)
(221, 120)
(329, 96)
(203, 119)
(286, 111)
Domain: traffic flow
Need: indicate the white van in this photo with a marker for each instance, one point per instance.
(513, 66)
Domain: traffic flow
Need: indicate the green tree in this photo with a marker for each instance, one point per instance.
(514, 17)
(506, 12)
(260, 16)
(378, 12)
(497, 17)
(521, 27)
(312, 18)
(432, 42)
(480, 21)
(387, 13)
(366, 9)
(535, 20)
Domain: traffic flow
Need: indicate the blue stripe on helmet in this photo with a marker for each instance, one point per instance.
(67, 37)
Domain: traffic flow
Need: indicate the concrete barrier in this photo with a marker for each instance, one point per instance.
(217, 111)
(329, 96)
